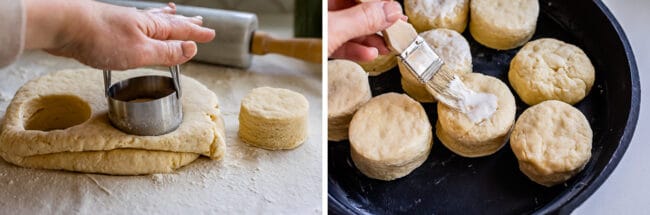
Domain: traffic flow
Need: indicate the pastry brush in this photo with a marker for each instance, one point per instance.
(420, 60)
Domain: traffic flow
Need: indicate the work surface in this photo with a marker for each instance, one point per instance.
(247, 180)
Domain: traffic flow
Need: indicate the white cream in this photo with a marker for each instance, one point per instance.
(477, 106)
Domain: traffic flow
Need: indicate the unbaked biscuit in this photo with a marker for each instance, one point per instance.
(503, 24)
(380, 64)
(552, 141)
(273, 118)
(431, 14)
(348, 89)
(454, 51)
(390, 136)
(549, 69)
(462, 135)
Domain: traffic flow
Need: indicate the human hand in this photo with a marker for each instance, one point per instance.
(352, 28)
(112, 37)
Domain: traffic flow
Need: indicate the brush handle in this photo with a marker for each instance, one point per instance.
(306, 49)
(399, 36)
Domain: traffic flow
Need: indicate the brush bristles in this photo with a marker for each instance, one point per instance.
(440, 85)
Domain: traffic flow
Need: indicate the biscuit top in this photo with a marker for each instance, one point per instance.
(433, 8)
(348, 87)
(476, 105)
(389, 128)
(461, 127)
(275, 103)
(509, 14)
(451, 47)
(553, 136)
(551, 69)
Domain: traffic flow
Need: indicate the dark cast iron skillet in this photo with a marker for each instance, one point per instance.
(450, 184)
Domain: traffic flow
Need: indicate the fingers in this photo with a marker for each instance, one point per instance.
(356, 52)
(360, 20)
(169, 9)
(176, 27)
(168, 53)
(373, 40)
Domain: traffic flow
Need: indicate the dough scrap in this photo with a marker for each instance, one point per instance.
(348, 90)
(468, 139)
(552, 142)
(274, 118)
(503, 24)
(454, 51)
(549, 69)
(431, 14)
(390, 136)
(94, 145)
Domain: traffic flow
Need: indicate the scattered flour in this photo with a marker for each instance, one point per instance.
(247, 180)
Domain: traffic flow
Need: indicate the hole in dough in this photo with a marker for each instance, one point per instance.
(55, 112)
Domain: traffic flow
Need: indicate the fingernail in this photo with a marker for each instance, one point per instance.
(167, 8)
(374, 52)
(393, 11)
(189, 49)
(199, 17)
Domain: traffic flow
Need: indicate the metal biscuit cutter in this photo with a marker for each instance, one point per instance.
(145, 105)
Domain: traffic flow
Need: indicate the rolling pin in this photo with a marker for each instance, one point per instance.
(237, 38)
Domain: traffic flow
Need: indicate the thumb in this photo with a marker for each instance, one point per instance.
(168, 53)
(360, 20)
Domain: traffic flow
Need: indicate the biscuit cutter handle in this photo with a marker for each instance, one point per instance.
(174, 70)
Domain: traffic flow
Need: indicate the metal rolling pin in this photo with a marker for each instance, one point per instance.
(237, 37)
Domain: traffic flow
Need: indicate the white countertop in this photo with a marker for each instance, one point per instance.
(626, 191)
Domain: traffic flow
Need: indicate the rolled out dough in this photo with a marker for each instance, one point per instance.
(93, 145)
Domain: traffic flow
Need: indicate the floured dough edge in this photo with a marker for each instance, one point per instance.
(117, 161)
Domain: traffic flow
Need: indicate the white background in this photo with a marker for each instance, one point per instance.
(627, 190)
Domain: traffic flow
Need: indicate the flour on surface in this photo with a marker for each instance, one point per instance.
(246, 181)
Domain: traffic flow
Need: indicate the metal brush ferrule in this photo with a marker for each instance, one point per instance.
(420, 59)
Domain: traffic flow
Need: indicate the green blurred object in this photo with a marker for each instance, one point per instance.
(308, 18)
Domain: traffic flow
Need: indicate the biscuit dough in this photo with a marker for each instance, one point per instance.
(549, 69)
(466, 138)
(348, 90)
(274, 118)
(503, 24)
(552, 142)
(59, 121)
(380, 64)
(390, 136)
(454, 51)
(431, 14)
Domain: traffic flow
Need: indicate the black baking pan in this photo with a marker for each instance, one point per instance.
(450, 184)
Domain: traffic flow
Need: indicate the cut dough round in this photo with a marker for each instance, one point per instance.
(549, 69)
(390, 136)
(38, 133)
(348, 89)
(454, 51)
(430, 14)
(380, 64)
(468, 139)
(503, 24)
(273, 118)
(552, 141)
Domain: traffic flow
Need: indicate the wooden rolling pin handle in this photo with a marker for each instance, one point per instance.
(300, 48)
